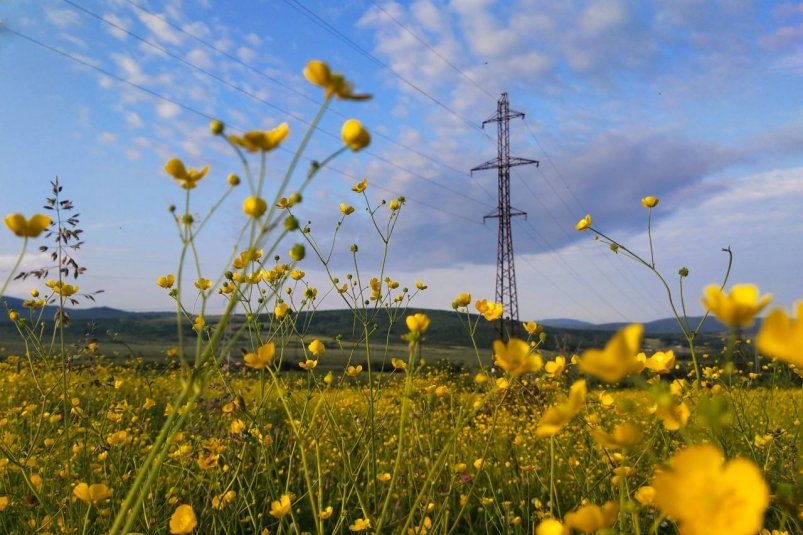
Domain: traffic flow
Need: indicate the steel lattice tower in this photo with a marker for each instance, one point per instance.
(505, 266)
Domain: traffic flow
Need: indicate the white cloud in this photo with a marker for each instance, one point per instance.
(167, 110)
(160, 29)
(63, 18)
(107, 138)
(133, 120)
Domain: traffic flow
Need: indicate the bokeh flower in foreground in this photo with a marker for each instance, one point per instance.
(781, 336)
(27, 228)
(557, 416)
(263, 356)
(708, 496)
(354, 135)
(334, 84)
(618, 359)
(737, 308)
(592, 518)
(515, 357)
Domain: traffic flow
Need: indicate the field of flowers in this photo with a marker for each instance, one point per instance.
(611, 440)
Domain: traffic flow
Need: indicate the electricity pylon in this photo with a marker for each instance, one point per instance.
(505, 266)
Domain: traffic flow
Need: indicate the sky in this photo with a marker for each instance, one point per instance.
(695, 102)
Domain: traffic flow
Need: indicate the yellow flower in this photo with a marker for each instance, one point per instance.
(187, 178)
(316, 347)
(334, 84)
(346, 209)
(254, 206)
(354, 135)
(394, 205)
(263, 357)
(583, 224)
(166, 281)
(280, 507)
(354, 371)
(92, 493)
(781, 337)
(531, 327)
(417, 323)
(281, 310)
(361, 524)
(491, 311)
(198, 323)
(420, 285)
(649, 202)
(625, 435)
(308, 364)
(259, 140)
(592, 518)
(736, 308)
(617, 360)
(326, 513)
(3, 503)
(360, 186)
(561, 414)
(645, 495)
(203, 284)
(398, 364)
(673, 416)
(550, 526)
(462, 300)
(64, 290)
(384, 477)
(183, 520)
(27, 228)
(515, 357)
(555, 368)
(661, 361)
(706, 495)
(478, 463)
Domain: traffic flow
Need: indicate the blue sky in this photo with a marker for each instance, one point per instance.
(697, 103)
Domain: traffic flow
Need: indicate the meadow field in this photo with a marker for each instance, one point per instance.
(269, 421)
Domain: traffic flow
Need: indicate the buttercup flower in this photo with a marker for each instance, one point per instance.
(280, 507)
(254, 206)
(557, 416)
(649, 202)
(354, 371)
(360, 186)
(708, 496)
(490, 311)
(166, 281)
(530, 327)
(27, 228)
(92, 494)
(187, 178)
(64, 290)
(550, 526)
(334, 84)
(354, 135)
(316, 347)
(361, 524)
(346, 209)
(261, 140)
(183, 520)
(781, 337)
(583, 224)
(462, 300)
(661, 361)
(554, 368)
(737, 308)
(592, 518)
(263, 356)
(417, 323)
(617, 360)
(515, 357)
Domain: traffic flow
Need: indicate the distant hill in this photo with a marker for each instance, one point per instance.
(566, 323)
(91, 313)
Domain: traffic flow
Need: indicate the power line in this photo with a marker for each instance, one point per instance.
(190, 109)
(261, 100)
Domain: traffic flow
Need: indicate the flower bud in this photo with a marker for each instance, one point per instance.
(298, 252)
(216, 127)
(290, 223)
(233, 180)
(683, 272)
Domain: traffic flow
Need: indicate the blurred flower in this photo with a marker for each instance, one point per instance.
(661, 361)
(583, 224)
(64, 290)
(360, 186)
(354, 135)
(326, 513)
(316, 347)
(550, 526)
(259, 140)
(280, 507)
(649, 202)
(308, 364)
(398, 364)
(186, 178)
(27, 228)
(462, 300)
(555, 368)
(645, 495)
(263, 357)
(354, 371)
(557, 416)
(417, 323)
(736, 308)
(203, 284)
(531, 327)
(490, 311)
(617, 360)
(334, 84)
(92, 494)
(592, 518)
(708, 496)
(166, 281)
(361, 524)
(254, 206)
(781, 337)
(183, 520)
(515, 357)
(346, 209)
